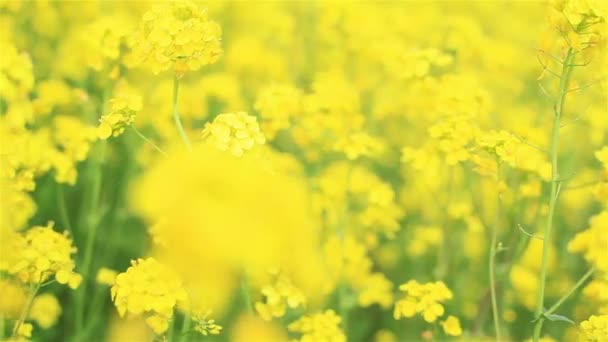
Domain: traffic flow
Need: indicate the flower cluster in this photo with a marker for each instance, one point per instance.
(323, 326)
(206, 326)
(422, 299)
(151, 289)
(121, 114)
(177, 35)
(234, 132)
(278, 296)
(593, 241)
(39, 253)
(594, 329)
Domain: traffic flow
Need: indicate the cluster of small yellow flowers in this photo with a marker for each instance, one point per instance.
(371, 201)
(16, 77)
(206, 326)
(425, 299)
(357, 145)
(451, 326)
(14, 298)
(278, 296)
(425, 237)
(348, 262)
(323, 326)
(24, 331)
(106, 276)
(177, 35)
(105, 40)
(406, 63)
(122, 114)
(573, 18)
(277, 105)
(41, 252)
(234, 132)
(45, 310)
(593, 242)
(594, 329)
(597, 292)
(514, 152)
(150, 289)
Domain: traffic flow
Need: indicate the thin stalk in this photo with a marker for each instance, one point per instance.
(26, 310)
(176, 118)
(578, 284)
(492, 261)
(63, 212)
(91, 221)
(559, 109)
(148, 141)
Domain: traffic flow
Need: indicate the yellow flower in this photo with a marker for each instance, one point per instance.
(148, 288)
(206, 326)
(176, 35)
(45, 310)
(122, 114)
(40, 253)
(234, 132)
(595, 329)
(323, 326)
(422, 298)
(451, 326)
(106, 276)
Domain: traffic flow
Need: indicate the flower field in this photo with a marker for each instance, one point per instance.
(315, 171)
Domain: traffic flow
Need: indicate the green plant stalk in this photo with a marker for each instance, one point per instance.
(176, 118)
(63, 212)
(492, 261)
(245, 293)
(26, 309)
(185, 328)
(578, 284)
(91, 222)
(559, 109)
(144, 138)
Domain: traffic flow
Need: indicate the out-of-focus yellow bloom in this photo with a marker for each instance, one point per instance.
(234, 132)
(106, 276)
(14, 297)
(323, 326)
(595, 329)
(251, 328)
(279, 295)
(593, 242)
(149, 288)
(451, 326)
(45, 310)
(276, 232)
(278, 105)
(357, 145)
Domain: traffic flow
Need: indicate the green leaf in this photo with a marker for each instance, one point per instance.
(555, 317)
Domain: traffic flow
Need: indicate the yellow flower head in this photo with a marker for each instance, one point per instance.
(595, 329)
(122, 114)
(41, 252)
(234, 132)
(151, 289)
(425, 299)
(322, 326)
(176, 35)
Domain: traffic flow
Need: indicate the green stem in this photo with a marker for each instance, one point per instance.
(185, 327)
(148, 140)
(559, 108)
(246, 296)
(578, 284)
(26, 309)
(176, 118)
(63, 212)
(492, 261)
